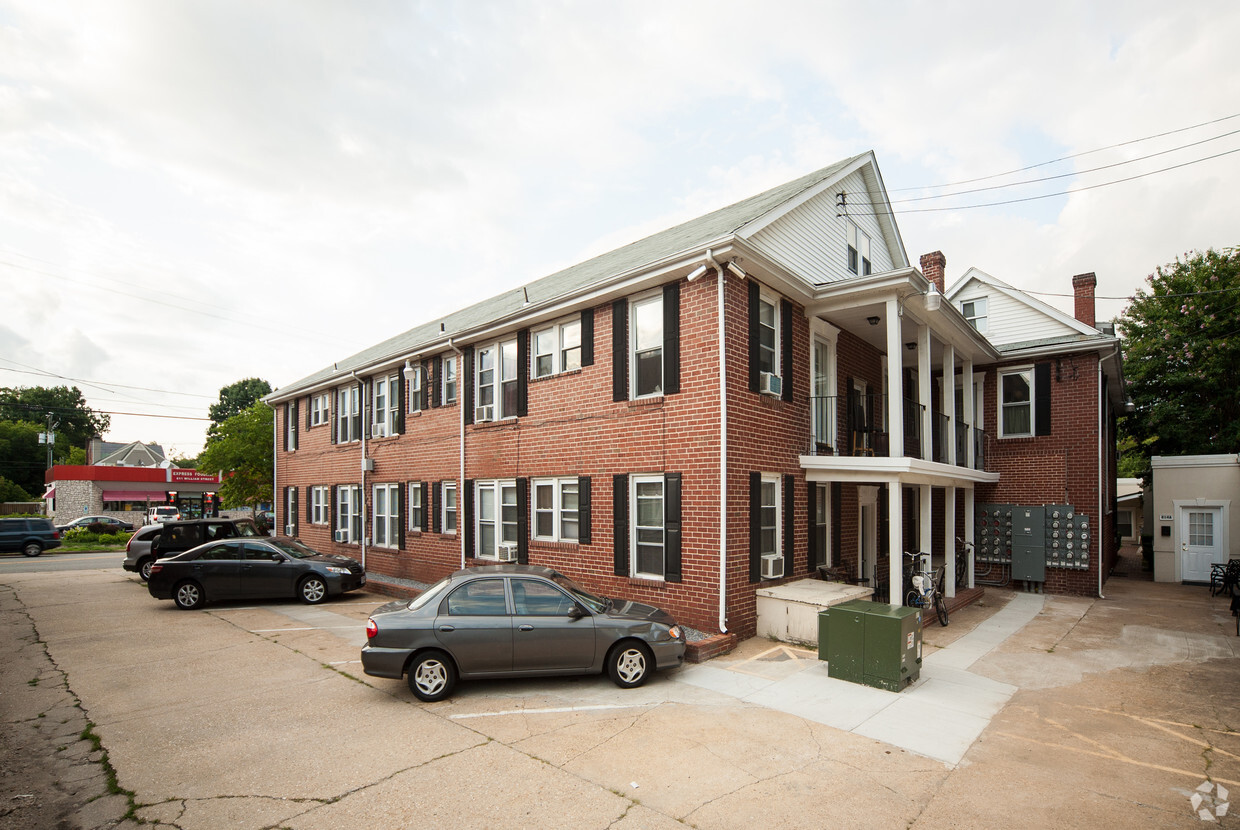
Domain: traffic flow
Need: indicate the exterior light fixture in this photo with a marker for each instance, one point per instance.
(911, 346)
(697, 272)
(873, 321)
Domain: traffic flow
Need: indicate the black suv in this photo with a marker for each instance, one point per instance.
(176, 537)
(30, 536)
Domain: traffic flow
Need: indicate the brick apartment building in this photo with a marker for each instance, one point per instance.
(711, 409)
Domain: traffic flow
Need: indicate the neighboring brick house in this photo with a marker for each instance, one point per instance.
(590, 421)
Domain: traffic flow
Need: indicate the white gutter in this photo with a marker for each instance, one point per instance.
(460, 405)
(723, 451)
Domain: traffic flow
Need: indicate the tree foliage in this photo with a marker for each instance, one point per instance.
(242, 448)
(235, 399)
(77, 422)
(23, 460)
(1181, 352)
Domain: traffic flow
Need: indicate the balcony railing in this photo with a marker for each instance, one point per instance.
(853, 426)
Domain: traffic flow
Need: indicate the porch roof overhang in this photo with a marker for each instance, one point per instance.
(828, 468)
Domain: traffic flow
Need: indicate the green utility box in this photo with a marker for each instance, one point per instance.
(871, 643)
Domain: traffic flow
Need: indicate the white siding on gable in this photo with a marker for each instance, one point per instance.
(810, 240)
(1011, 321)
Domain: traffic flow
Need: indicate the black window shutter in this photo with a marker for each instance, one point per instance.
(837, 522)
(309, 410)
(436, 495)
(331, 417)
(587, 337)
(671, 527)
(399, 403)
(467, 520)
(523, 373)
(436, 382)
(293, 420)
(425, 489)
(671, 338)
(331, 510)
(283, 514)
(790, 523)
(523, 521)
(584, 531)
(356, 432)
(620, 350)
(309, 504)
(465, 383)
(755, 527)
(755, 299)
(811, 547)
(424, 395)
(785, 348)
(620, 520)
(402, 508)
(1042, 399)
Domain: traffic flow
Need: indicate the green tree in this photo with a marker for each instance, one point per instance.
(77, 423)
(1181, 349)
(9, 491)
(23, 460)
(235, 399)
(242, 448)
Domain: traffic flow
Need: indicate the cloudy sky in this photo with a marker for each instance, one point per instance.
(192, 193)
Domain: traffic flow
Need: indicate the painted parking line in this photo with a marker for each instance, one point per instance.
(553, 711)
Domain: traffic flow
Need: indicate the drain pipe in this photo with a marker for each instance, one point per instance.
(460, 405)
(723, 450)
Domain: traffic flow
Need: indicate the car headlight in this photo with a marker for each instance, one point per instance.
(334, 569)
(674, 632)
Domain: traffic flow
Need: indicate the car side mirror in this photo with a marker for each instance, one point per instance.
(275, 557)
(576, 612)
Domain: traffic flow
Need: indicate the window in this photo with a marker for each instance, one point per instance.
(557, 349)
(497, 380)
(648, 526)
(482, 597)
(348, 513)
(449, 507)
(386, 406)
(320, 505)
(449, 380)
(348, 414)
(320, 409)
(417, 505)
(646, 325)
(290, 426)
(1016, 407)
(768, 335)
(556, 510)
(385, 524)
(975, 312)
(769, 518)
(820, 541)
(858, 250)
(823, 401)
(415, 374)
(496, 530)
(290, 512)
(532, 598)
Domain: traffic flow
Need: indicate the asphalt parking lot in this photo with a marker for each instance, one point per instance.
(258, 716)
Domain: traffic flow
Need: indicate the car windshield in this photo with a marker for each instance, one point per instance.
(294, 549)
(594, 603)
(247, 529)
(429, 594)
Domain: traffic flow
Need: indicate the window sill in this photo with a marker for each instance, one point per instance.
(649, 400)
(657, 583)
(565, 373)
(556, 544)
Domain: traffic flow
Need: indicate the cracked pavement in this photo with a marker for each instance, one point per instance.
(258, 716)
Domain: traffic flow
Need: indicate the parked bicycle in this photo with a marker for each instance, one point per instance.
(964, 553)
(927, 586)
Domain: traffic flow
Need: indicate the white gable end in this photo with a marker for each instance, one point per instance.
(1012, 316)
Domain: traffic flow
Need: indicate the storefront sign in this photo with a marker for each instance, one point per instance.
(191, 477)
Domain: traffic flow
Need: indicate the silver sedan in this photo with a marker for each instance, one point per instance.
(516, 620)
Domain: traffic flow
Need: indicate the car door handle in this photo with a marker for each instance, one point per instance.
(447, 628)
(525, 627)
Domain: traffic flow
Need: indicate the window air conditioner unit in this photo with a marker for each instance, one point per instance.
(507, 553)
(342, 536)
(771, 384)
(484, 413)
(288, 530)
(772, 566)
(379, 431)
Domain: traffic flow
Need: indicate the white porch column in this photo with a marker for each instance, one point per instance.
(895, 538)
(949, 537)
(949, 401)
(970, 525)
(925, 521)
(895, 398)
(923, 392)
(969, 409)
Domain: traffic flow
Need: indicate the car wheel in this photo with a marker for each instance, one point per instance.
(188, 595)
(32, 549)
(312, 590)
(432, 676)
(629, 665)
(144, 569)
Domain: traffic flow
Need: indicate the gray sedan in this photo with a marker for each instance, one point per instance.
(516, 620)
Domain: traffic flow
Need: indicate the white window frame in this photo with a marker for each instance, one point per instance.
(290, 426)
(416, 504)
(635, 347)
(320, 409)
(558, 514)
(979, 315)
(320, 505)
(767, 301)
(554, 357)
(449, 380)
(448, 507)
(824, 396)
(385, 516)
(384, 403)
(349, 512)
(635, 482)
(858, 248)
(348, 409)
(497, 489)
(1027, 371)
(772, 483)
(415, 379)
(499, 379)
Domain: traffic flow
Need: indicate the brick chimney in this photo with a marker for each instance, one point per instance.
(1083, 287)
(932, 268)
(94, 450)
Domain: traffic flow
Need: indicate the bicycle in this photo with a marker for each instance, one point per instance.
(964, 552)
(927, 590)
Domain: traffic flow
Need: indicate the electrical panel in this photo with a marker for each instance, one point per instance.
(1032, 538)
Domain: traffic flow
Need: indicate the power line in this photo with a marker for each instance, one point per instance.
(97, 383)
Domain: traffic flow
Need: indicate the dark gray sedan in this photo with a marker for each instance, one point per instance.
(516, 620)
(252, 568)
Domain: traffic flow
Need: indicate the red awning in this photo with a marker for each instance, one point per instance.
(153, 496)
(50, 494)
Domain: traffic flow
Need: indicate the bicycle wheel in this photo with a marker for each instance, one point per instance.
(912, 599)
(940, 608)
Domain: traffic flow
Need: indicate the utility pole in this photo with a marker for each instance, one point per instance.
(49, 438)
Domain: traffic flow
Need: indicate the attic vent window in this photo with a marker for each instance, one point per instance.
(858, 250)
(975, 312)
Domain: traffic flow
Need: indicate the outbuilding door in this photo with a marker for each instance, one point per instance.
(1201, 542)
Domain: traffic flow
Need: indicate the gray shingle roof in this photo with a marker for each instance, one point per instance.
(684, 238)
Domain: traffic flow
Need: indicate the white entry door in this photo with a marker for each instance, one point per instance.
(1201, 542)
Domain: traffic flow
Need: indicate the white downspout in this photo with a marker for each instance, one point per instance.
(460, 405)
(723, 451)
(1098, 530)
